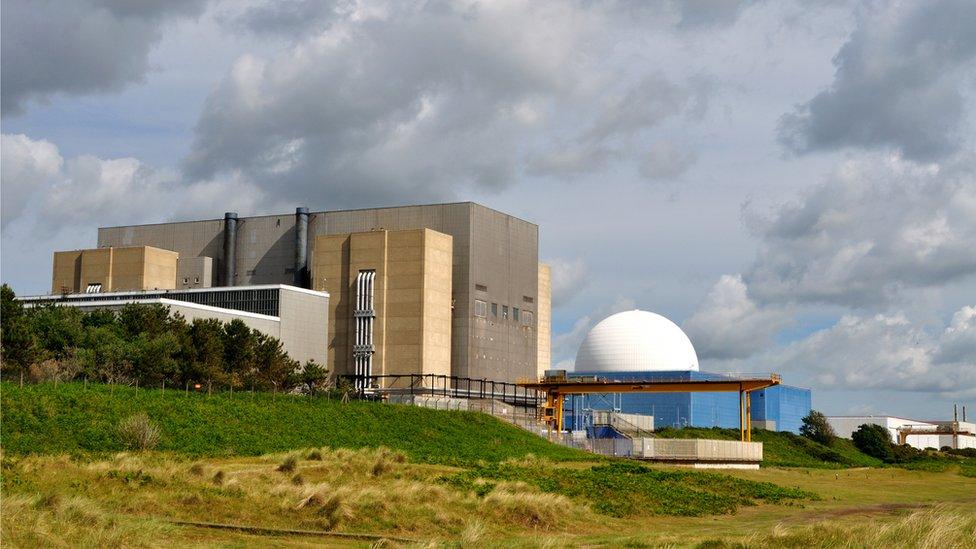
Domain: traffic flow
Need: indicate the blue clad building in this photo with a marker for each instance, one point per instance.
(643, 346)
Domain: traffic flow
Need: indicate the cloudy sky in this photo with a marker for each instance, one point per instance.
(794, 183)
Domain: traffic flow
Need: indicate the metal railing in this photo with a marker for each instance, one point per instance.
(449, 386)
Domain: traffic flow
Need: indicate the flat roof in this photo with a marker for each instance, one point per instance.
(325, 212)
(136, 293)
(175, 303)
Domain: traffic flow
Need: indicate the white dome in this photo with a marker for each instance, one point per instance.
(636, 341)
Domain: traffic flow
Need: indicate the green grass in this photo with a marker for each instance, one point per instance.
(72, 419)
(782, 449)
(627, 489)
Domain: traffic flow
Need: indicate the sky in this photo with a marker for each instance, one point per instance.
(793, 183)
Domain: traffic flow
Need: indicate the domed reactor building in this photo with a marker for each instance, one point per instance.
(644, 346)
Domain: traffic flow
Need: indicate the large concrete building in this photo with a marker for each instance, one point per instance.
(437, 289)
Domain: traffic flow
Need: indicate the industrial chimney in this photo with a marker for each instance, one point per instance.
(230, 248)
(301, 247)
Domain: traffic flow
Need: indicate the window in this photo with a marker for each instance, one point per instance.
(504, 312)
(528, 299)
(481, 287)
(196, 280)
(186, 280)
(527, 318)
(515, 314)
(480, 308)
(494, 309)
(93, 288)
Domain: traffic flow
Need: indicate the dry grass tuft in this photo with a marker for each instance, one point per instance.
(138, 432)
(218, 478)
(297, 480)
(314, 455)
(197, 469)
(289, 464)
(534, 510)
(328, 504)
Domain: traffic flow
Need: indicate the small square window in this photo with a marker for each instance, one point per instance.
(527, 318)
(480, 308)
(481, 287)
(494, 309)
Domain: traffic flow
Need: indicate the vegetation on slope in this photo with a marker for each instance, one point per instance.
(783, 449)
(72, 418)
(626, 489)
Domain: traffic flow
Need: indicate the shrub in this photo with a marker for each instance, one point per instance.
(289, 464)
(874, 441)
(815, 427)
(138, 432)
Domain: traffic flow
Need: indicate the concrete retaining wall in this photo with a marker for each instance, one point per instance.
(666, 449)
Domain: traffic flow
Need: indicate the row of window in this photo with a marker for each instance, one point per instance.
(523, 316)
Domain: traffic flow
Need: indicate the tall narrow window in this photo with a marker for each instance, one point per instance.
(494, 310)
(515, 314)
(504, 312)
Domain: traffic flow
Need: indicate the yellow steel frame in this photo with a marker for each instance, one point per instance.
(556, 392)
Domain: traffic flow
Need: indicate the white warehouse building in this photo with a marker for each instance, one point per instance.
(915, 433)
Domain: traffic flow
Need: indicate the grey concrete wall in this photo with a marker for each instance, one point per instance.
(304, 325)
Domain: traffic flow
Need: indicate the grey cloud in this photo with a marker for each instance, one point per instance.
(958, 341)
(620, 122)
(875, 227)
(353, 114)
(730, 325)
(899, 83)
(78, 47)
(665, 160)
(292, 18)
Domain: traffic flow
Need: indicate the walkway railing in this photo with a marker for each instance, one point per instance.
(443, 385)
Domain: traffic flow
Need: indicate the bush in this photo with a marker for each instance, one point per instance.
(138, 432)
(816, 428)
(874, 441)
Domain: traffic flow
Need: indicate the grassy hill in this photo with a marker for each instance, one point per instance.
(782, 449)
(42, 419)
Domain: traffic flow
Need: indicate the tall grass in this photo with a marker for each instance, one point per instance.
(939, 527)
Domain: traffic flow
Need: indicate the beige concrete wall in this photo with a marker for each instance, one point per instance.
(438, 259)
(158, 269)
(544, 319)
(66, 277)
(116, 269)
(411, 297)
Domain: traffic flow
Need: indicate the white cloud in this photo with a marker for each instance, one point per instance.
(25, 166)
(886, 351)
(874, 228)
(729, 324)
(567, 279)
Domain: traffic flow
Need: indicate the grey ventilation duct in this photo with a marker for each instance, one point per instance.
(301, 247)
(230, 247)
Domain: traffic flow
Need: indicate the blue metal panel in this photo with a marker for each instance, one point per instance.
(784, 404)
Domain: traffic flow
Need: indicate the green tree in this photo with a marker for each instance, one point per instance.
(137, 318)
(240, 344)
(312, 378)
(19, 347)
(207, 344)
(105, 355)
(58, 329)
(816, 427)
(274, 367)
(154, 359)
(875, 441)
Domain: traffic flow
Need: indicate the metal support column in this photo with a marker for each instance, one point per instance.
(742, 426)
(748, 417)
